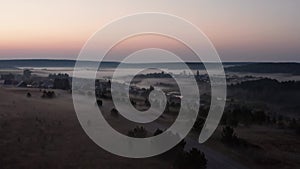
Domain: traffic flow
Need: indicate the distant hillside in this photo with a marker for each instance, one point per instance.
(48, 63)
(106, 64)
(35, 63)
(292, 68)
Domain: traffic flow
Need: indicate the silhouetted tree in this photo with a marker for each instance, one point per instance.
(49, 94)
(99, 102)
(133, 103)
(259, 117)
(280, 122)
(229, 137)
(198, 124)
(61, 83)
(158, 132)
(114, 112)
(151, 88)
(147, 103)
(194, 159)
(295, 125)
(138, 132)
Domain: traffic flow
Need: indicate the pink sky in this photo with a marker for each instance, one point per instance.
(260, 30)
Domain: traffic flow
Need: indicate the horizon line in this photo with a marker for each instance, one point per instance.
(112, 61)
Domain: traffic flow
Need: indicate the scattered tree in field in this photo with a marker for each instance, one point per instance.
(151, 88)
(198, 124)
(99, 102)
(147, 103)
(114, 112)
(295, 125)
(48, 94)
(280, 122)
(158, 132)
(259, 117)
(133, 103)
(138, 132)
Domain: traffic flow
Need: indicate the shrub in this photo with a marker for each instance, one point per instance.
(99, 102)
(114, 112)
(259, 117)
(198, 124)
(49, 94)
(194, 159)
(229, 137)
(138, 132)
(158, 132)
(295, 125)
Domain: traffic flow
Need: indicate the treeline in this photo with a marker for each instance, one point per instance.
(291, 68)
(285, 94)
(242, 115)
(245, 116)
(154, 75)
(267, 84)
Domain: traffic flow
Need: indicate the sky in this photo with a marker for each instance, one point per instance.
(241, 30)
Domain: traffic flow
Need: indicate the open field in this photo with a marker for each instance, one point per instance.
(45, 133)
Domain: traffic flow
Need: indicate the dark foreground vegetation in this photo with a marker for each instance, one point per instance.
(181, 159)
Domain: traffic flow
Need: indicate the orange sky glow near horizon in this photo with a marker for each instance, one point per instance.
(266, 30)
